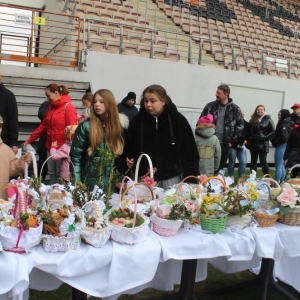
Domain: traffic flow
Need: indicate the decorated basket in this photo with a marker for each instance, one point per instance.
(23, 229)
(263, 219)
(65, 234)
(171, 203)
(213, 224)
(94, 232)
(125, 231)
(165, 227)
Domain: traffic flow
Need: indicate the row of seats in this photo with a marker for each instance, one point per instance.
(247, 35)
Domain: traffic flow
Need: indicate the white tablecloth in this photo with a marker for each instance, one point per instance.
(115, 269)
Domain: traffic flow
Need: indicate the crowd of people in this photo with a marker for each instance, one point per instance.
(157, 128)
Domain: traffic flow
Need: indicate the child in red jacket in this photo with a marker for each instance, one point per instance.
(63, 152)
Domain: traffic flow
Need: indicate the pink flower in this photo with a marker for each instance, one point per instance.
(189, 205)
(288, 198)
(149, 181)
(202, 177)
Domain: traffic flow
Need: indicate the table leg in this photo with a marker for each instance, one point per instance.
(78, 295)
(264, 279)
(188, 275)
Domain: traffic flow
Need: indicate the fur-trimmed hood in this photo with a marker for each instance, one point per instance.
(205, 130)
(205, 125)
(124, 121)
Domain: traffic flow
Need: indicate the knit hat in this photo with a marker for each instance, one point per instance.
(131, 95)
(69, 132)
(206, 119)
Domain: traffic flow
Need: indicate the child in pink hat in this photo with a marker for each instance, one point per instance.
(208, 145)
(63, 152)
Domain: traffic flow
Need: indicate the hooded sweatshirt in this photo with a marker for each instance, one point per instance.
(129, 111)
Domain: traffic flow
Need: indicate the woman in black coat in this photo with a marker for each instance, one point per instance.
(261, 130)
(163, 133)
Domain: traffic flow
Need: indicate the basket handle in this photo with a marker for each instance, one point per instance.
(214, 177)
(191, 176)
(75, 184)
(272, 180)
(33, 163)
(293, 167)
(135, 196)
(139, 183)
(267, 176)
(222, 175)
(138, 165)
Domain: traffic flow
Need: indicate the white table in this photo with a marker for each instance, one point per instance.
(156, 262)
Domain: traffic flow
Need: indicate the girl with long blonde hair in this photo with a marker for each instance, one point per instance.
(98, 141)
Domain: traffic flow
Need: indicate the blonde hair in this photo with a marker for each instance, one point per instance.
(113, 131)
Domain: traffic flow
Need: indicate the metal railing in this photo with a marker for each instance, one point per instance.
(38, 37)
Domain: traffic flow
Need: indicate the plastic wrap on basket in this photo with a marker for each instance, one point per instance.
(124, 229)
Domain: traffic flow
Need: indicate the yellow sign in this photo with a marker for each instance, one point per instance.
(39, 21)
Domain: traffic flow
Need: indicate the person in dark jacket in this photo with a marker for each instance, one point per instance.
(97, 142)
(292, 152)
(41, 148)
(9, 113)
(227, 119)
(261, 131)
(279, 141)
(127, 106)
(239, 151)
(163, 133)
(295, 116)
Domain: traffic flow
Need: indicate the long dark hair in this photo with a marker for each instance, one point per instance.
(285, 113)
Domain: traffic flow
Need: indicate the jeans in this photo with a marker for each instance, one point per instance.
(262, 159)
(279, 166)
(53, 169)
(241, 155)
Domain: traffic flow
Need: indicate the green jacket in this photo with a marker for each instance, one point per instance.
(87, 168)
(208, 147)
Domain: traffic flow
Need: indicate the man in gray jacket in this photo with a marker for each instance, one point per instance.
(227, 119)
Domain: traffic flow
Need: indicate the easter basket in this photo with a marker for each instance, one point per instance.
(21, 230)
(214, 224)
(94, 232)
(62, 233)
(294, 182)
(263, 219)
(291, 218)
(169, 213)
(128, 226)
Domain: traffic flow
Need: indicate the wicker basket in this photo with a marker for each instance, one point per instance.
(213, 225)
(124, 235)
(265, 220)
(96, 237)
(291, 218)
(165, 227)
(19, 240)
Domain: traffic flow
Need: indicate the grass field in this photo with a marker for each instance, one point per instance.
(214, 280)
